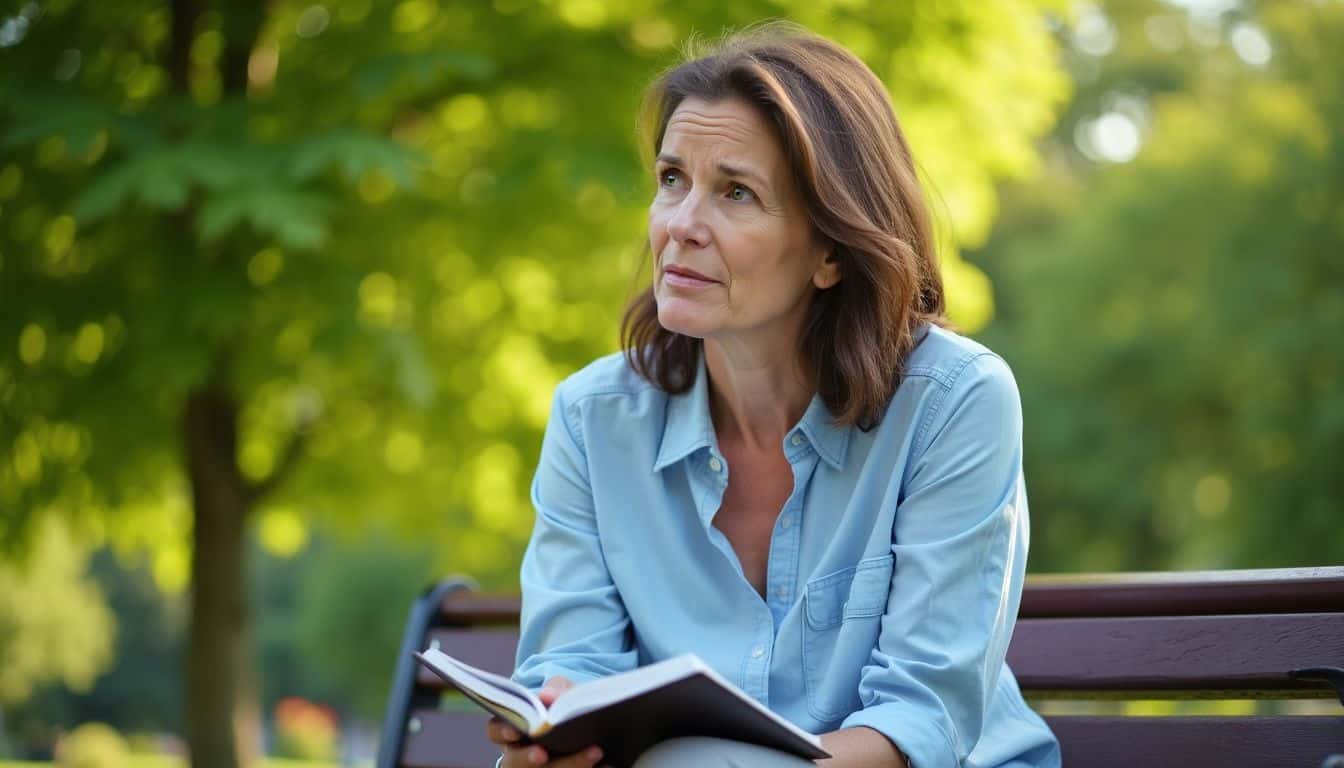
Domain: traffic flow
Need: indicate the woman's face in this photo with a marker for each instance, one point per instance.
(734, 253)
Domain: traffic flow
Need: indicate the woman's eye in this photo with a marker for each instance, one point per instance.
(740, 193)
(669, 178)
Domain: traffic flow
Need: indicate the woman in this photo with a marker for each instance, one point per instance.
(794, 470)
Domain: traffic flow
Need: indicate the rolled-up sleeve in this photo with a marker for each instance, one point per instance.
(573, 620)
(960, 544)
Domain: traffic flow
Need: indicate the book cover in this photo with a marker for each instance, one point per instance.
(626, 714)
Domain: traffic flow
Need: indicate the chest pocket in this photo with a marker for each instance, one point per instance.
(844, 611)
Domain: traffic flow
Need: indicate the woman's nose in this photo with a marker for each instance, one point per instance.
(687, 223)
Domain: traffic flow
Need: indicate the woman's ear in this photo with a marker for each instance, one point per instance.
(828, 273)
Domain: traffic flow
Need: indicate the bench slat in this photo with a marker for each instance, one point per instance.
(1175, 653)
(438, 739)
(1181, 742)
(1188, 593)
(476, 609)
(490, 649)
(1159, 593)
(456, 740)
(1103, 655)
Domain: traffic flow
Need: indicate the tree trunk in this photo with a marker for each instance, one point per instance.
(222, 717)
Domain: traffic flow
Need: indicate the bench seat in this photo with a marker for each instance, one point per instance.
(1250, 634)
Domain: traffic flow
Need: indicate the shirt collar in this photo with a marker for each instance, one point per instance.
(830, 440)
(689, 427)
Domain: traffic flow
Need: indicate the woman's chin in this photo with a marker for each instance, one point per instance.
(686, 320)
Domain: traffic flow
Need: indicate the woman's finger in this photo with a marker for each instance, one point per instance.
(585, 759)
(533, 756)
(501, 732)
(524, 757)
(552, 688)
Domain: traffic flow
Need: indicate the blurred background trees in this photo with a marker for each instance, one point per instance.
(1173, 306)
(285, 288)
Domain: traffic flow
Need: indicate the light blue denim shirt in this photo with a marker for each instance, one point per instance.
(895, 566)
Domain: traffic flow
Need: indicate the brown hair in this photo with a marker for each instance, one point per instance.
(857, 178)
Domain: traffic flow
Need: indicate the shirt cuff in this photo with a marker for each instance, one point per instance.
(923, 742)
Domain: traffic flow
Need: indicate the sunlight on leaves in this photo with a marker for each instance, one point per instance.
(172, 568)
(88, 346)
(32, 344)
(282, 532)
(58, 627)
(404, 452)
(970, 297)
(264, 265)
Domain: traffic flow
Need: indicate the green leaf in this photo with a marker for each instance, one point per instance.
(162, 182)
(36, 115)
(419, 70)
(414, 377)
(294, 218)
(107, 192)
(354, 153)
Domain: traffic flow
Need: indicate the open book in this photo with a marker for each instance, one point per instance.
(626, 714)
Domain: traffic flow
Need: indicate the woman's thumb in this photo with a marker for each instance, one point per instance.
(552, 689)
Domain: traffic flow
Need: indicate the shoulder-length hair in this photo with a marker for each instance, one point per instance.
(857, 177)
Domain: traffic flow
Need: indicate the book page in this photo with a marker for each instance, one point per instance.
(496, 693)
(608, 690)
(605, 691)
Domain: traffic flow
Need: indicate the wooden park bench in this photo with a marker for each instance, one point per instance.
(1262, 634)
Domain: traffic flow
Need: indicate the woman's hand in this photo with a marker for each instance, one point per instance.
(532, 755)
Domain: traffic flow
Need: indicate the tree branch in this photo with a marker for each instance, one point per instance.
(293, 453)
(243, 21)
(185, 15)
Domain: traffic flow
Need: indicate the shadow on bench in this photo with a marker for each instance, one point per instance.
(1260, 634)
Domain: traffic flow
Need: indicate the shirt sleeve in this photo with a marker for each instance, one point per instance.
(573, 621)
(960, 544)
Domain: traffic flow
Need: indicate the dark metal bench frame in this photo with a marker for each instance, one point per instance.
(1198, 635)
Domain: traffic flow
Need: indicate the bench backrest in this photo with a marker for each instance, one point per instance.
(1221, 634)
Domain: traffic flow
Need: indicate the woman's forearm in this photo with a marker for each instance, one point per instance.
(860, 747)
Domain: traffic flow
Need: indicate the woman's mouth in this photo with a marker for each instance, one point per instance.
(686, 278)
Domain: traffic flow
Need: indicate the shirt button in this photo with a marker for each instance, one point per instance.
(782, 593)
(797, 440)
(785, 522)
(758, 652)
(715, 464)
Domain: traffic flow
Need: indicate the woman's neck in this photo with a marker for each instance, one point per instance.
(755, 395)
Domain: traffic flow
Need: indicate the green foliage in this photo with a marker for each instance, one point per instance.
(93, 745)
(357, 589)
(139, 690)
(55, 626)
(419, 217)
(1174, 321)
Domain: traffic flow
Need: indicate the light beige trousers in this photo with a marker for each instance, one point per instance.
(704, 752)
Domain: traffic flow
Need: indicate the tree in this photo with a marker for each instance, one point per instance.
(357, 589)
(137, 685)
(294, 261)
(1174, 320)
(54, 624)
